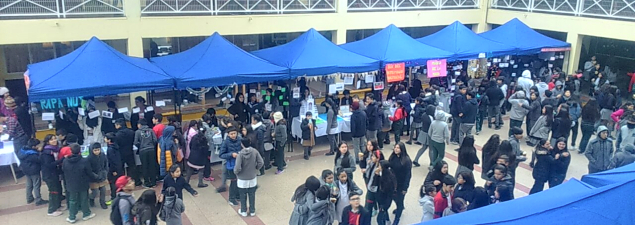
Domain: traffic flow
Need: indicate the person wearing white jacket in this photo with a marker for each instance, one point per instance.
(525, 82)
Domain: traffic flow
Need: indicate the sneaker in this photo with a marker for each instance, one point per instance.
(306, 158)
(233, 203)
(252, 214)
(418, 143)
(202, 185)
(375, 212)
(409, 142)
(330, 153)
(416, 164)
(41, 202)
(89, 216)
(61, 208)
(221, 189)
(109, 202)
(103, 205)
(29, 201)
(478, 132)
(70, 221)
(241, 213)
(279, 172)
(454, 142)
(209, 179)
(55, 214)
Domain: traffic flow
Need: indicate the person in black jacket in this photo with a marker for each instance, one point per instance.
(108, 124)
(239, 109)
(51, 173)
(358, 129)
(355, 212)
(417, 117)
(424, 137)
(470, 109)
(542, 166)
(199, 157)
(436, 175)
(99, 165)
(483, 102)
(373, 112)
(30, 164)
(175, 180)
(402, 167)
(467, 155)
(561, 126)
(456, 109)
(308, 127)
(562, 159)
(465, 186)
(495, 96)
(124, 137)
(145, 112)
(78, 173)
(115, 165)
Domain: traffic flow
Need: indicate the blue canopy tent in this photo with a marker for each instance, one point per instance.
(391, 45)
(526, 40)
(94, 69)
(312, 54)
(464, 43)
(217, 62)
(573, 202)
(616, 175)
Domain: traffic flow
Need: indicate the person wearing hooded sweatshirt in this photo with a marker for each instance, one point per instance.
(78, 173)
(303, 198)
(51, 174)
(624, 157)
(424, 137)
(534, 111)
(495, 96)
(542, 87)
(358, 129)
(248, 162)
(627, 133)
(146, 141)
(468, 119)
(500, 177)
(229, 150)
(427, 194)
(31, 166)
(323, 210)
(172, 208)
(519, 110)
(558, 92)
(541, 170)
(525, 82)
(268, 145)
(439, 137)
(167, 152)
(199, 154)
(599, 151)
(99, 165)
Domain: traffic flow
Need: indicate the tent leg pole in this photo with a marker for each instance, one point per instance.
(175, 102)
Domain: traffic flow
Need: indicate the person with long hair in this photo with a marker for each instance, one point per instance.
(323, 210)
(401, 165)
(590, 115)
(344, 160)
(372, 162)
(542, 127)
(239, 110)
(481, 199)
(303, 198)
(199, 147)
(347, 188)
(189, 134)
(560, 165)
(465, 186)
(534, 108)
(172, 208)
(387, 188)
(488, 150)
(398, 120)
(436, 175)
(280, 137)
(331, 124)
(426, 200)
(541, 171)
(51, 174)
(561, 126)
(146, 208)
(424, 137)
(501, 177)
(467, 155)
(174, 179)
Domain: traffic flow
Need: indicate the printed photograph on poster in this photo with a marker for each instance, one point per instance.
(106, 114)
(93, 114)
(378, 86)
(369, 78)
(348, 80)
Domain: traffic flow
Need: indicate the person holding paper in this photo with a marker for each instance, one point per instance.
(108, 125)
(142, 111)
(91, 125)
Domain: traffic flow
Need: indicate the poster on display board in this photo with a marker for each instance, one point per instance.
(338, 87)
(437, 68)
(395, 72)
(377, 86)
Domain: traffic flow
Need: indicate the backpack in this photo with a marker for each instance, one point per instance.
(115, 215)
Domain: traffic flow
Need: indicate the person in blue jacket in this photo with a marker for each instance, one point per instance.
(30, 164)
(229, 151)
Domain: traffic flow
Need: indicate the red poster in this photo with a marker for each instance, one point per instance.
(395, 72)
(437, 68)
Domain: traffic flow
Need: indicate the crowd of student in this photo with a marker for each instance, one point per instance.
(254, 135)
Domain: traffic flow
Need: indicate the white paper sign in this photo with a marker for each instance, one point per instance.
(296, 95)
(481, 55)
(81, 111)
(223, 99)
(506, 58)
(562, 56)
(61, 114)
(457, 72)
(160, 103)
(425, 71)
(515, 66)
(252, 91)
(136, 110)
(348, 80)
(369, 79)
(513, 74)
(552, 58)
(453, 80)
(122, 110)
(149, 109)
(268, 107)
(93, 114)
(526, 65)
(336, 87)
(345, 109)
(550, 65)
(489, 64)
(511, 62)
(48, 116)
(106, 114)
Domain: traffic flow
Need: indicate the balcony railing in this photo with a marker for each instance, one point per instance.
(398, 5)
(60, 8)
(234, 7)
(615, 9)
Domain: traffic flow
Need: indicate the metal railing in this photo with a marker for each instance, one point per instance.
(234, 7)
(398, 5)
(60, 8)
(616, 9)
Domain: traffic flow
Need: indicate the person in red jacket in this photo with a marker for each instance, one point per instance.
(444, 196)
(398, 120)
(157, 120)
(66, 150)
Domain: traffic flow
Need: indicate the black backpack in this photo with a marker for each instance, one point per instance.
(115, 216)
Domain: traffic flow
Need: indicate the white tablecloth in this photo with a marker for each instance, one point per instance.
(7, 155)
(343, 125)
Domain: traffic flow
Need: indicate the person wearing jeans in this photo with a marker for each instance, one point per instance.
(229, 151)
(518, 111)
(398, 120)
(358, 129)
(248, 162)
(31, 166)
(470, 109)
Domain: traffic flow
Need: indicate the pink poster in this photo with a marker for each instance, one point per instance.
(437, 68)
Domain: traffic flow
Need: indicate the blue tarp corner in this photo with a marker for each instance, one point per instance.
(526, 40)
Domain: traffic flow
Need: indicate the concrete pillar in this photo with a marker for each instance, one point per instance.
(481, 27)
(339, 36)
(3, 68)
(132, 10)
(341, 6)
(571, 58)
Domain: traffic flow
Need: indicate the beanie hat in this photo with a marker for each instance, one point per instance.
(3, 90)
(355, 106)
(277, 116)
(121, 182)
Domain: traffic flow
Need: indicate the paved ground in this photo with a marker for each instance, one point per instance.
(273, 203)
